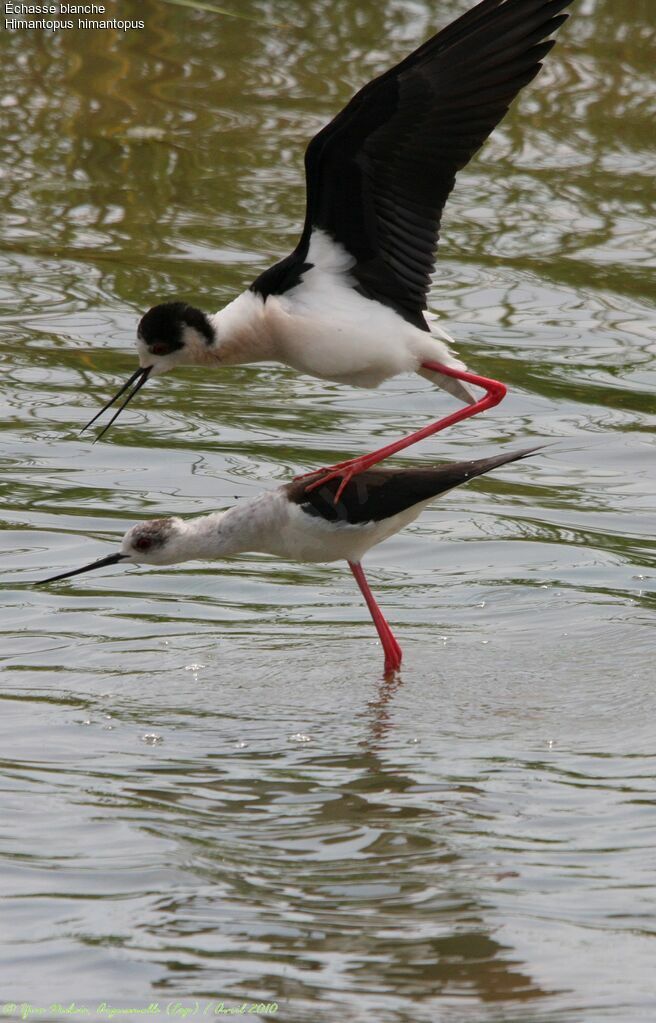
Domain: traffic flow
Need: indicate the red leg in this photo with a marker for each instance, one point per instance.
(391, 648)
(494, 393)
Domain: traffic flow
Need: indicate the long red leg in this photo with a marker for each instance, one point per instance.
(494, 393)
(391, 648)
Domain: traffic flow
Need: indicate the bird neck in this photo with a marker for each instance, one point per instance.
(242, 334)
(248, 526)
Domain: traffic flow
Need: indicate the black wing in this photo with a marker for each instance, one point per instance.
(379, 174)
(380, 493)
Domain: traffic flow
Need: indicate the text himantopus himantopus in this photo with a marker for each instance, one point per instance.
(349, 303)
(301, 522)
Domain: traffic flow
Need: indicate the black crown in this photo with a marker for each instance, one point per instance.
(161, 328)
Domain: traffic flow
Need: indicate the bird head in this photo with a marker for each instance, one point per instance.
(173, 334)
(168, 335)
(155, 542)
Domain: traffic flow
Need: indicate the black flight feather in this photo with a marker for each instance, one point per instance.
(378, 175)
(380, 493)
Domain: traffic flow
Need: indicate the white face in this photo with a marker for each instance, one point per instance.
(192, 353)
(155, 542)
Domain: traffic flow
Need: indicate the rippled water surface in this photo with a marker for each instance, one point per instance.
(208, 790)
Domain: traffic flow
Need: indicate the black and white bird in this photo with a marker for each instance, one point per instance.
(301, 522)
(349, 303)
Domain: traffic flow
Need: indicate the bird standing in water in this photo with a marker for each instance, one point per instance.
(304, 522)
(348, 304)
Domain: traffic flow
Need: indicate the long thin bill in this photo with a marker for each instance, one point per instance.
(128, 383)
(145, 373)
(111, 559)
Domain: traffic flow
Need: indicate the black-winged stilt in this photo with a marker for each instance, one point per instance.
(349, 303)
(301, 522)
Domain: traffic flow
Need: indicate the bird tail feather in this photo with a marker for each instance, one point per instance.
(452, 386)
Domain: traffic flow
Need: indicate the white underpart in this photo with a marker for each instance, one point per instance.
(325, 328)
(310, 538)
(270, 524)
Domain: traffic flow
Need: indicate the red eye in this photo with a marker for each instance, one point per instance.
(143, 543)
(158, 349)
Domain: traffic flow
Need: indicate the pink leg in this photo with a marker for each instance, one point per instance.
(494, 393)
(391, 648)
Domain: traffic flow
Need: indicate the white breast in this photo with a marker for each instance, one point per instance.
(324, 327)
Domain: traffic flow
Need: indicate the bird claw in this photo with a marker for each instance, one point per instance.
(326, 469)
(346, 479)
(346, 471)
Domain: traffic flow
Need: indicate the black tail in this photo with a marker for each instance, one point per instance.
(380, 493)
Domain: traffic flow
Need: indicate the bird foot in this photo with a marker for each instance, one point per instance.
(393, 658)
(325, 469)
(344, 470)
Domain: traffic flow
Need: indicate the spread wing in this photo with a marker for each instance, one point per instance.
(379, 174)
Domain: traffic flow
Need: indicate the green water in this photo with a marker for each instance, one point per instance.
(208, 790)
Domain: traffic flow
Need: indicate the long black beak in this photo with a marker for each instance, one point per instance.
(140, 375)
(111, 559)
